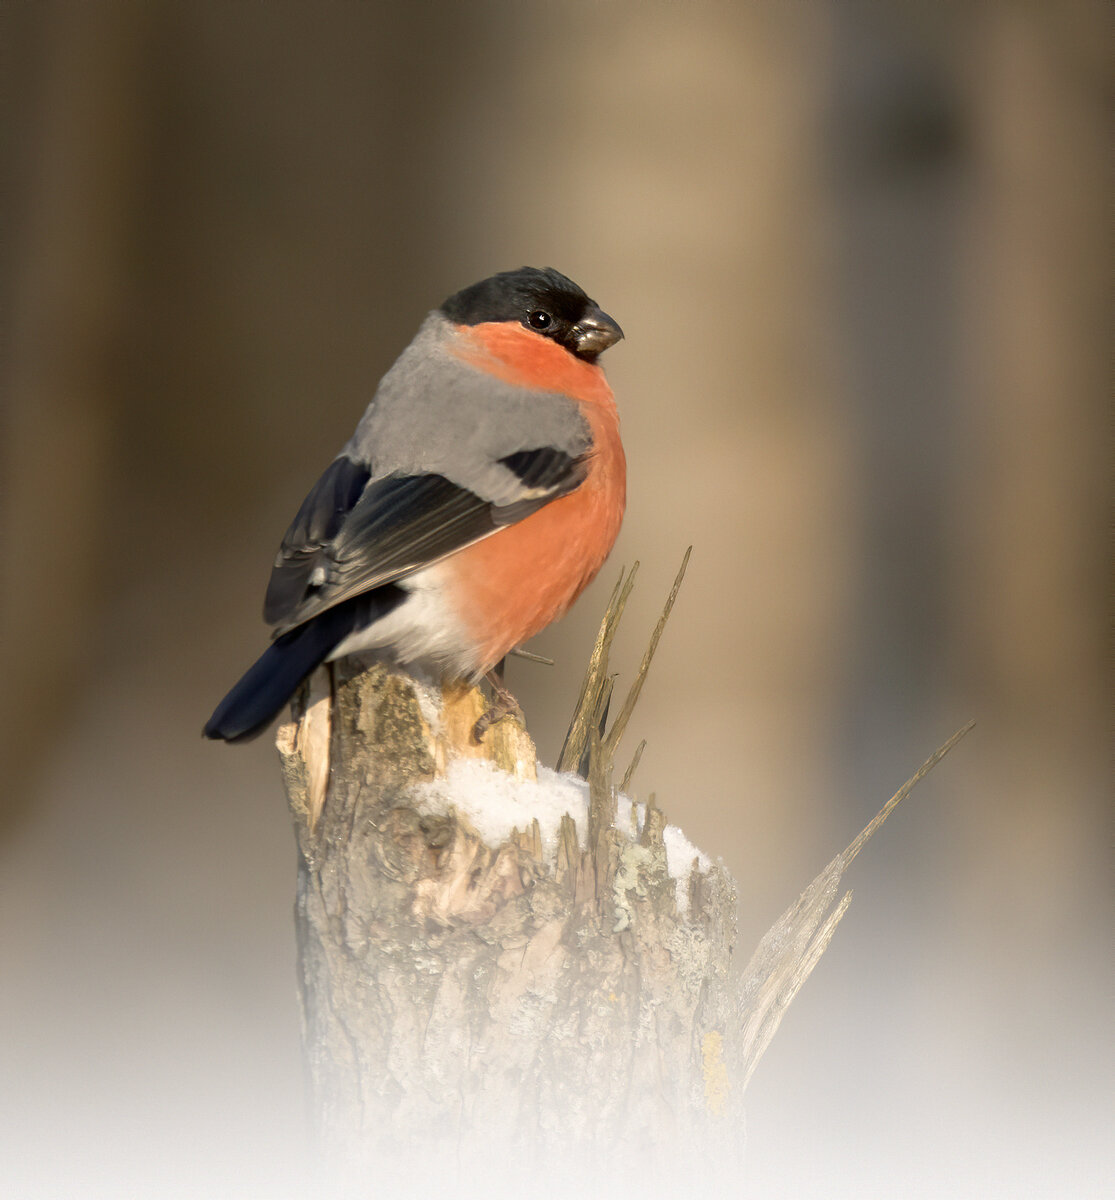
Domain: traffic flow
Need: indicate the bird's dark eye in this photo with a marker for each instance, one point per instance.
(539, 319)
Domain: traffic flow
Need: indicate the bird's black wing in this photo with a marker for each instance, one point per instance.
(354, 533)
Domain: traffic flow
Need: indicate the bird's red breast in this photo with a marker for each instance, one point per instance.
(511, 585)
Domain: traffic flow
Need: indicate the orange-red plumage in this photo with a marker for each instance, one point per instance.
(512, 585)
(518, 356)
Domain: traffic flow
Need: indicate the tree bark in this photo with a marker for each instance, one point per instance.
(460, 993)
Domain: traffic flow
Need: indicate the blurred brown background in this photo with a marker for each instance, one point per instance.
(860, 255)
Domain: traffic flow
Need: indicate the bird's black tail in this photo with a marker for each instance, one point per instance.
(274, 677)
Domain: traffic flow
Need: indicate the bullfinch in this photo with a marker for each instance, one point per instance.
(481, 492)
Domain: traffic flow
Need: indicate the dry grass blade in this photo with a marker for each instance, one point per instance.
(602, 799)
(611, 742)
(793, 946)
(780, 966)
(586, 713)
(627, 775)
(530, 656)
(869, 829)
(597, 726)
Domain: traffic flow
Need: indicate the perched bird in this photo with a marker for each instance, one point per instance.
(481, 492)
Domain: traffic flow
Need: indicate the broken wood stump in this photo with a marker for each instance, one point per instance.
(479, 958)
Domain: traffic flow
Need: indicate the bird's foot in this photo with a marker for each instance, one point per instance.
(503, 705)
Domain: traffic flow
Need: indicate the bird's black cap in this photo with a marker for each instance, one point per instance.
(542, 300)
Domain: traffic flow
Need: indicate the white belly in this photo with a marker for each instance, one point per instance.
(422, 629)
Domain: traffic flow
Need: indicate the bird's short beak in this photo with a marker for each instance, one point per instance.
(595, 332)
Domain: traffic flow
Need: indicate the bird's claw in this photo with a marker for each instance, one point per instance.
(503, 705)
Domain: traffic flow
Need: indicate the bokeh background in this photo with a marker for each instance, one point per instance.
(860, 255)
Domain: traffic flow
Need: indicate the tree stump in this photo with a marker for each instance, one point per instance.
(562, 986)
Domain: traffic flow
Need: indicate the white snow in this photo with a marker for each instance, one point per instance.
(494, 803)
(680, 853)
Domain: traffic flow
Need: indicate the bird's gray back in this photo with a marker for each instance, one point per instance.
(434, 413)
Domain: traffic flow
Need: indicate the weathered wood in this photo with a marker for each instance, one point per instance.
(453, 989)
